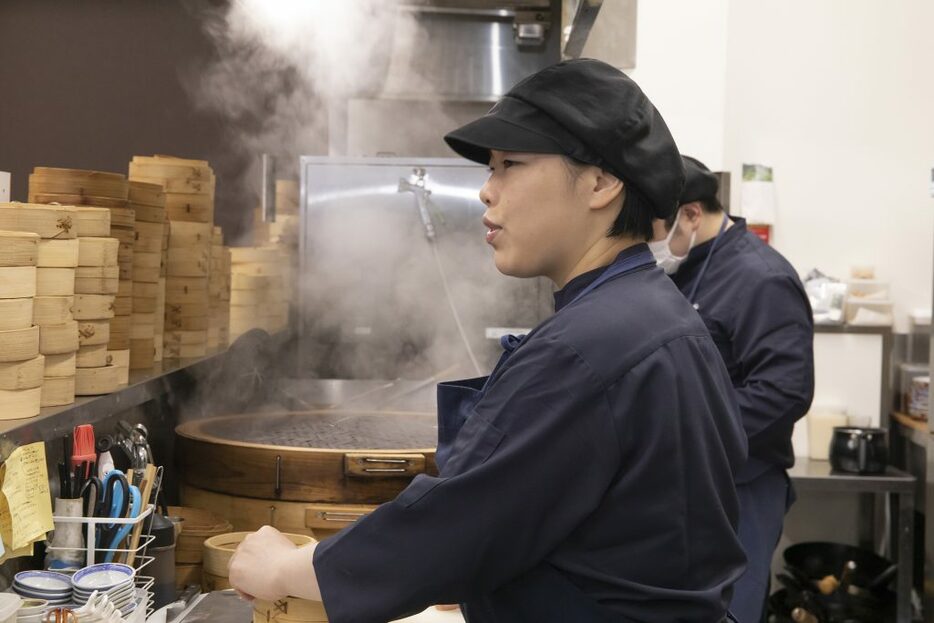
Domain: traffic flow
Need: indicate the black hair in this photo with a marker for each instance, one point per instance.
(708, 206)
(636, 216)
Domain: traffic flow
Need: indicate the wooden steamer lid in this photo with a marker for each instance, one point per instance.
(44, 180)
(326, 456)
(49, 221)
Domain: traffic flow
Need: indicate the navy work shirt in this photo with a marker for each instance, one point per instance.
(601, 460)
(758, 313)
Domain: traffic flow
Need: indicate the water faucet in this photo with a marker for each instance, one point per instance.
(421, 199)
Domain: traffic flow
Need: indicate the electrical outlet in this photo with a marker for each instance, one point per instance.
(4, 186)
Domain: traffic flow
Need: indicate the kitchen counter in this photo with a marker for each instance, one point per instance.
(226, 607)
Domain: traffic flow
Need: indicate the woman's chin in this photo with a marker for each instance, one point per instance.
(511, 268)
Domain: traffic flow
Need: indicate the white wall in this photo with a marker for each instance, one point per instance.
(837, 95)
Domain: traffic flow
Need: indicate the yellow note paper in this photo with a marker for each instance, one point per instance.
(27, 515)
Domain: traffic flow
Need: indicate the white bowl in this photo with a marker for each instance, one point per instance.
(102, 576)
(44, 581)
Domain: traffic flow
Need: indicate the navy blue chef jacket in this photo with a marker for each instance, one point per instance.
(760, 318)
(599, 465)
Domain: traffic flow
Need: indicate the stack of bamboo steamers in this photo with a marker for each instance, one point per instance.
(101, 279)
(189, 205)
(149, 255)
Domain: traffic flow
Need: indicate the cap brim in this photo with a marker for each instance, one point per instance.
(475, 140)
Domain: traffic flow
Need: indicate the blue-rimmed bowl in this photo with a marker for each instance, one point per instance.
(44, 582)
(102, 577)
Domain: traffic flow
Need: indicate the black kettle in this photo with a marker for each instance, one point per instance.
(859, 450)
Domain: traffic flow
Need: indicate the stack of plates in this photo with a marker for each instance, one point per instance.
(48, 585)
(31, 611)
(111, 579)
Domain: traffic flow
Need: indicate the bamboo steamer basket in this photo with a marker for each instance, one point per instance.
(123, 305)
(253, 255)
(16, 313)
(125, 253)
(157, 345)
(143, 260)
(146, 275)
(58, 339)
(219, 549)
(148, 214)
(126, 271)
(111, 271)
(96, 285)
(19, 248)
(187, 324)
(247, 297)
(53, 309)
(171, 166)
(45, 220)
(174, 350)
(211, 582)
(120, 359)
(17, 282)
(185, 337)
(197, 525)
(96, 381)
(57, 391)
(244, 314)
(186, 310)
(248, 282)
(126, 235)
(149, 194)
(289, 610)
(125, 288)
(120, 332)
(180, 186)
(19, 344)
(257, 269)
(184, 235)
(77, 201)
(58, 253)
(93, 306)
(188, 263)
(92, 221)
(144, 305)
(148, 237)
(145, 290)
(16, 375)
(92, 356)
(78, 182)
(94, 251)
(57, 366)
(172, 160)
(186, 575)
(183, 291)
(93, 332)
(18, 404)
(142, 353)
(122, 217)
(55, 281)
(142, 331)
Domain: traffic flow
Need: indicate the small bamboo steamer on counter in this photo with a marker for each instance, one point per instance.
(96, 381)
(289, 610)
(97, 251)
(120, 359)
(19, 344)
(48, 221)
(58, 339)
(17, 282)
(19, 248)
(16, 313)
(58, 253)
(53, 309)
(218, 550)
(92, 221)
(91, 356)
(57, 391)
(93, 306)
(16, 375)
(57, 366)
(55, 281)
(19, 404)
(93, 332)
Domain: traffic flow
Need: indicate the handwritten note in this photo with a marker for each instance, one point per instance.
(26, 505)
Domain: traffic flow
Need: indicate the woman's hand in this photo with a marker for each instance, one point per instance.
(268, 566)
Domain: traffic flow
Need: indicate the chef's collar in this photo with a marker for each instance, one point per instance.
(697, 255)
(575, 286)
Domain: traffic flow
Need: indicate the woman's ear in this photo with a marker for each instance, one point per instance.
(605, 188)
(692, 213)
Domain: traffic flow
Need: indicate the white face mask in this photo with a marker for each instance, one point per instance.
(661, 249)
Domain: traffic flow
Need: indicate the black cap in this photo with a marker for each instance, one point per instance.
(591, 112)
(699, 183)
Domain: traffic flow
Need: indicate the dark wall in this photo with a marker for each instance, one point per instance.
(88, 84)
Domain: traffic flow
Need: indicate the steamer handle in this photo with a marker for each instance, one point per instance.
(278, 475)
(341, 517)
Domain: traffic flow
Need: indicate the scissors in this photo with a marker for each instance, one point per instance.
(60, 615)
(113, 500)
(121, 531)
